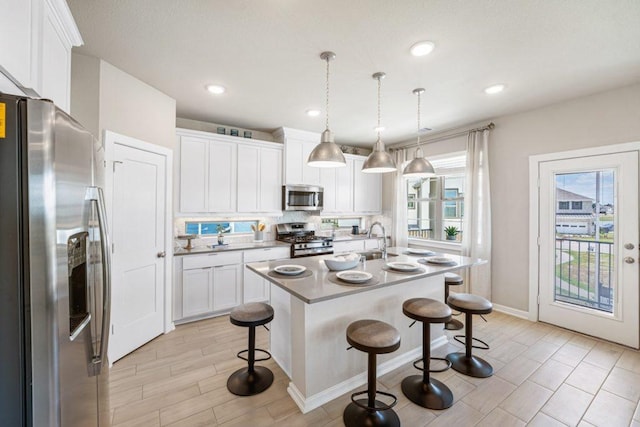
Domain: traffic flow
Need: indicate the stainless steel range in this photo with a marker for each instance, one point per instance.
(303, 239)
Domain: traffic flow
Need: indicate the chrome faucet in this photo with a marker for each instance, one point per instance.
(384, 237)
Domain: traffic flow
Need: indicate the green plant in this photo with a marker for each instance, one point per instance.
(451, 231)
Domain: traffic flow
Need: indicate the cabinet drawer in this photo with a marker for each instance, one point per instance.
(211, 260)
(266, 254)
(348, 246)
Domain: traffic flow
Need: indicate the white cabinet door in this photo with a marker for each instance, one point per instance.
(56, 62)
(222, 176)
(256, 289)
(328, 182)
(370, 244)
(248, 173)
(348, 246)
(17, 43)
(270, 179)
(367, 190)
(310, 175)
(194, 175)
(293, 162)
(344, 187)
(226, 286)
(197, 296)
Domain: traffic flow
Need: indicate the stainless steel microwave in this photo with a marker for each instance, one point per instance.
(302, 197)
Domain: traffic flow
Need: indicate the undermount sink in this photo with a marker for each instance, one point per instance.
(369, 255)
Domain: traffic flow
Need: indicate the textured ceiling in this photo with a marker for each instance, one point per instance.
(266, 53)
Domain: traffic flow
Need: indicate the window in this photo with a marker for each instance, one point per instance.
(576, 206)
(563, 205)
(227, 227)
(434, 204)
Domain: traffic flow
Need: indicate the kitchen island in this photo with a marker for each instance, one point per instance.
(312, 313)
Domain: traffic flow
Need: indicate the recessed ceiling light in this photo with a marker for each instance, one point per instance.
(422, 48)
(216, 89)
(491, 90)
(313, 113)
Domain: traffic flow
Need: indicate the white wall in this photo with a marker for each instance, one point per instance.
(606, 118)
(104, 97)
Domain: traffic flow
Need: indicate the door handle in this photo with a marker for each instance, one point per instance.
(629, 246)
(629, 260)
(162, 254)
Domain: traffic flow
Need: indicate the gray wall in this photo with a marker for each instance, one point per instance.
(606, 118)
(104, 97)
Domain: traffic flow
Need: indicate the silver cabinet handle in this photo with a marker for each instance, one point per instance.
(629, 246)
(96, 195)
(162, 254)
(629, 260)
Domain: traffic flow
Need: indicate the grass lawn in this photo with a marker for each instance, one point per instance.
(581, 270)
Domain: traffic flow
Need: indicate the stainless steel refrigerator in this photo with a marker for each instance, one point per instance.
(54, 270)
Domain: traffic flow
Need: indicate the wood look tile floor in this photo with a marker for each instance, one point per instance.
(544, 376)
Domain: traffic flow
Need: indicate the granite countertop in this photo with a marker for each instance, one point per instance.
(230, 247)
(317, 287)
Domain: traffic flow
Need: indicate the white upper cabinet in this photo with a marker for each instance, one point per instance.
(224, 174)
(367, 189)
(193, 174)
(36, 37)
(298, 145)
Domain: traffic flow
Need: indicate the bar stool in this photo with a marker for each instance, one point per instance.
(420, 389)
(373, 337)
(451, 279)
(466, 363)
(252, 379)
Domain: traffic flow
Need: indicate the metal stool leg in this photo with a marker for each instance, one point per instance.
(423, 390)
(369, 411)
(251, 379)
(467, 363)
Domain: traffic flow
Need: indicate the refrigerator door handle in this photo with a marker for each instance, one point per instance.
(95, 194)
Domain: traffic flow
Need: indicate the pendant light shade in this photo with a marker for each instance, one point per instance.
(379, 161)
(327, 154)
(419, 167)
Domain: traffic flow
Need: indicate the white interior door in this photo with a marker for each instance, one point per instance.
(588, 237)
(138, 236)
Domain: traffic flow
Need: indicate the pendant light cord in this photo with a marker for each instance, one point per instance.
(419, 103)
(378, 128)
(327, 97)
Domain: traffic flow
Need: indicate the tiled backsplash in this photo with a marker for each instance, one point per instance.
(270, 230)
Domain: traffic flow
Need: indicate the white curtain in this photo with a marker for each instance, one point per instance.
(476, 238)
(400, 226)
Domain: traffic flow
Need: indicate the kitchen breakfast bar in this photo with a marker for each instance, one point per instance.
(313, 310)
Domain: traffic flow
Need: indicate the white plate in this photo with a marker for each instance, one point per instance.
(403, 266)
(417, 251)
(353, 276)
(290, 269)
(440, 260)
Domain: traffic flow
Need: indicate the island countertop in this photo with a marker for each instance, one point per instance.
(317, 287)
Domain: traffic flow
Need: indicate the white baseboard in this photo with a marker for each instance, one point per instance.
(310, 403)
(512, 311)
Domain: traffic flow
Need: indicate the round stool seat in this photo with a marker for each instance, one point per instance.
(469, 303)
(373, 336)
(251, 314)
(453, 279)
(426, 310)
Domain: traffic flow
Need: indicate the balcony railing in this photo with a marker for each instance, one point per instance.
(584, 273)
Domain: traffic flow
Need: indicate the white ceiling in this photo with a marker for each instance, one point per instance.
(266, 53)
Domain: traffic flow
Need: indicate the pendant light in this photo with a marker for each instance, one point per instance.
(327, 154)
(419, 167)
(379, 161)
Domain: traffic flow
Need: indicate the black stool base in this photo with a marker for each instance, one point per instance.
(356, 416)
(244, 383)
(453, 325)
(434, 395)
(473, 366)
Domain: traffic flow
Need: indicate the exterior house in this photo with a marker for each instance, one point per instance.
(574, 213)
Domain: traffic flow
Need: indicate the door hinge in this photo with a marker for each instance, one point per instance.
(113, 248)
(538, 240)
(538, 299)
(112, 330)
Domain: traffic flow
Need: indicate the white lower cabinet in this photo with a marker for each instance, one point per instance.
(206, 285)
(356, 245)
(256, 289)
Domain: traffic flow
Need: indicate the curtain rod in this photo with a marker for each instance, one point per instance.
(489, 126)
